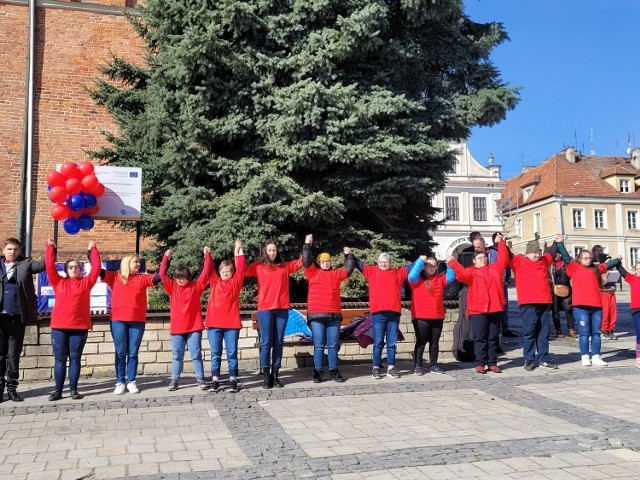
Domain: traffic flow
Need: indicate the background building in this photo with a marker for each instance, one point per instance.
(590, 199)
(470, 201)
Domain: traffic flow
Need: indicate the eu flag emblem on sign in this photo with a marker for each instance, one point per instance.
(133, 174)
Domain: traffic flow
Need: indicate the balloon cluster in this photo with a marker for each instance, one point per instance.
(75, 191)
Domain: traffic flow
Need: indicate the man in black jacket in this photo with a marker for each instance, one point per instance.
(18, 305)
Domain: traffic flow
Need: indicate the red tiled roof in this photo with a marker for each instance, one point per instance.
(619, 169)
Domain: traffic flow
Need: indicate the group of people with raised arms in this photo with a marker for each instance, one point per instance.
(485, 305)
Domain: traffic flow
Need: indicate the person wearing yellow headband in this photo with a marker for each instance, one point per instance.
(324, 307)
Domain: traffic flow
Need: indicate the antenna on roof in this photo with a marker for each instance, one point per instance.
(592, 150)
(575, 138)
(628, 143)
(521, 160)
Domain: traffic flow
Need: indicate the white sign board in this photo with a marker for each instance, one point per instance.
(122, 199)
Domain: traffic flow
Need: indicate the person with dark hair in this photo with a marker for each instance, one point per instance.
(223, 317)
(586, 279)
(485, 302)
(558, 276)
(324, 309)
(71, 316)
(493, 256)
(272, 274)
(385, 293)
(18, 305)
(427, 310)
(634, 284)
(186, 316)
(608, 296)
(128, 318)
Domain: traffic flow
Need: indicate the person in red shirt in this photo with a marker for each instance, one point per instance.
(128, 318)
(634, 284)
(324, 309)
(223, 317)
(71, 316)
(427, 309)
(385, 292)
(485, 302)
(186, 316)
(272, 274)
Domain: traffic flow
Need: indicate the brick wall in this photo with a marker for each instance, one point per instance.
(70, 44)
(155, 350)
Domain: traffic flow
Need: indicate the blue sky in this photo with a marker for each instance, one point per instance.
(579, 66)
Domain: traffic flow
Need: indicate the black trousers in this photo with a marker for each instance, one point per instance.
(563, 303)
(11, 340)
(486, 328)
(427, 331)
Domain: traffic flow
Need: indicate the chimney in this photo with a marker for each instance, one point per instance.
(570, 154)
(635, 158)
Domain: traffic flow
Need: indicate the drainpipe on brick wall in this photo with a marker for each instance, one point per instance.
(26, 164)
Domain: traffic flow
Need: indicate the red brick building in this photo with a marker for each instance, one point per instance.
(72, 38)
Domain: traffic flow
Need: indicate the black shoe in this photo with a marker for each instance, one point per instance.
(267, 379)
(75, 395)
(509, 333)
(499, 350)
(276, 378)
(529, 365)
(317, 376)
(13, 396)
(233, 386)
(336, 376)
(2, 395)
(215, 385)
(55, 396)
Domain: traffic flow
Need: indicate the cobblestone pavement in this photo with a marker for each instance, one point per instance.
(572, 423)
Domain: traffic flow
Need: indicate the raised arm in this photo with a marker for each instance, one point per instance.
(416, 269)
(451, 275)
(350, 260)
(623, 271)
(96, 264)
(207, 270)
(307, 256)
(50, 263)
(566, 258)
(164, 269)
(461, 274)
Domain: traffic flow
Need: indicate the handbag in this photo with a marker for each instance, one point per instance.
(561, 291)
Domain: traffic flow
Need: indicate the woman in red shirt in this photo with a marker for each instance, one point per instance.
(128, 317)
(634, 283)
(71, 316)
(324, 310)
(273, 308)
(223, 317)
(485, 302)
(186, 316)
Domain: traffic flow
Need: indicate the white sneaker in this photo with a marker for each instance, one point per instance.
(596, 360)
(132, 387)
(119, 390)
(586, 361)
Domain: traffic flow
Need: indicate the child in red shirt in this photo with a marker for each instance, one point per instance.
(186, 316)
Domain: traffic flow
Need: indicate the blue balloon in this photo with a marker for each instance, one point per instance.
(90, 200)
(86, 221)
(75, 202)
(71, 226)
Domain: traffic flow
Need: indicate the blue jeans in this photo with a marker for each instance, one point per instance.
(325, 333)
(385, 323)
(636, 323)
(535, 332)
(589, 320)
(230, 337)
(127, 337)
(178, 342)
(67, 344)
(272, 326)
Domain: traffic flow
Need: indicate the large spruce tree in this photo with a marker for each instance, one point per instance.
(276, 118)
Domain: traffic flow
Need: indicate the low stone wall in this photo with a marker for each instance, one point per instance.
(155, 351)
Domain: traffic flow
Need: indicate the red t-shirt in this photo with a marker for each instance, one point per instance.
(273, 283)
(634, 283)
(186, 311)
(428, 303)
(385, 288)
(532, 279)
(128, 300)
(72, 307)
(585, 283)
(324, 289)
(223, 308)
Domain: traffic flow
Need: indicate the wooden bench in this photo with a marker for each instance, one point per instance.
(347, 317)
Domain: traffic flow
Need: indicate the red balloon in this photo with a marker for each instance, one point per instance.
(60, 212)
(89, 183)
(73, 214)
(69, 170)
(93, 210)
(86, 168)
(73, 186)
(99, 191)
(55, 179)
(58, 194)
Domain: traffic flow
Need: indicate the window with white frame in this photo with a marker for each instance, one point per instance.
(599, 218)
(632, 219)
(634, 256)
(518, 228)
(624, 185)
(479, 209)
(451, 208)
(537, 222)
(577, 214)
(577, 249)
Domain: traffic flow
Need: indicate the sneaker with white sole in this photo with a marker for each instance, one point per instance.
(119, 390)
(418, 370)
(436, 369)
(393, 373)
(376, 373)
(132, 387)
(173, 384)
(596, 360)
(586, 361)
(203, 385)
